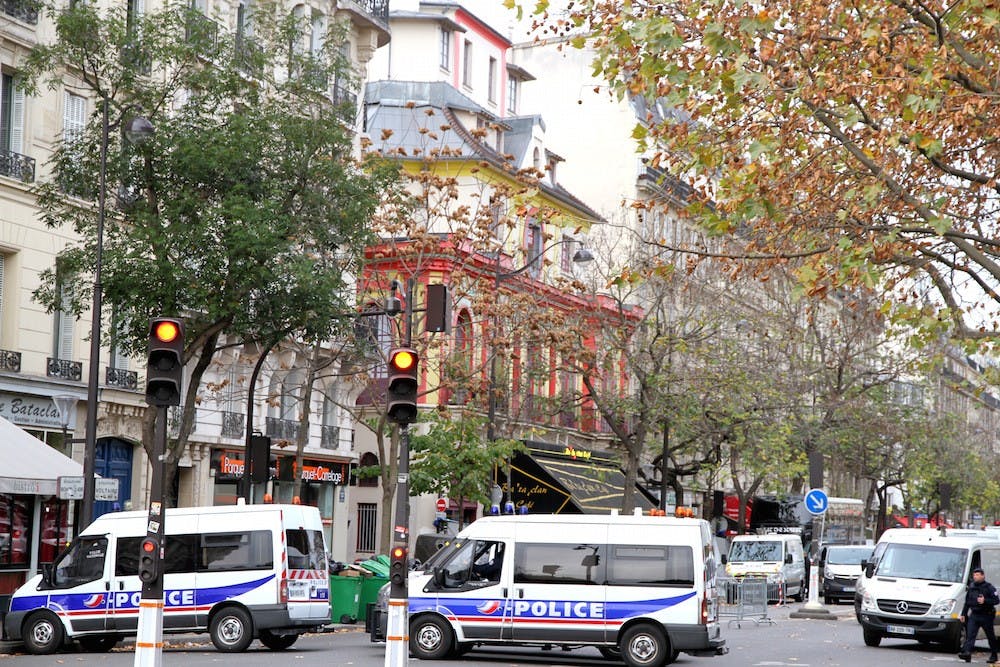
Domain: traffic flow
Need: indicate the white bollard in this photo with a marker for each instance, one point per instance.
(397, 633)
(149, 640)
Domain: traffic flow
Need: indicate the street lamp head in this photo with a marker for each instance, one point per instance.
(582, 256)
(139, 130)
(65, 404)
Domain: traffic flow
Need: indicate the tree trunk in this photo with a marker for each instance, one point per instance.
(675, 484)
(389, 461)
(302, 433)
(632, 454)
(461, 512)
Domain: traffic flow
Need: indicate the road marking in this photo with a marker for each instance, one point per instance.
(769, 663)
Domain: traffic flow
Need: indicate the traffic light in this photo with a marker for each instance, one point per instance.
(165, 368)
(260, 458)
(149, 560)
(397, 566)
(401, 394)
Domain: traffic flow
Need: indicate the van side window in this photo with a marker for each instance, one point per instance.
(651, 566)
(180, 554)
(475, 561)
(559, 564)
(236, 551)
(305, 549)
(81, 563)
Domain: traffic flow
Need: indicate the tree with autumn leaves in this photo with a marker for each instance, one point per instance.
(852, 141)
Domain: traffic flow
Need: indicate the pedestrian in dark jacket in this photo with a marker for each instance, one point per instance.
(980, 608)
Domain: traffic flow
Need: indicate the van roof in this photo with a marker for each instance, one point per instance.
(933, 537)
(189, 511)
(767, 537)
(590, 519)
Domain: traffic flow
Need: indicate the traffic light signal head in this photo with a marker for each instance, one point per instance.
(397, 566)
(165, 368)
(149, 560)
(401, 394)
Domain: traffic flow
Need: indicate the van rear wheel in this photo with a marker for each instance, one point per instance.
(431, 638)
(231, 630)
(276, 642)
(42, 633)
(645, 645)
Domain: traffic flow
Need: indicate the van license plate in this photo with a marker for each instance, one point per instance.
(900, 629)
(848, 589)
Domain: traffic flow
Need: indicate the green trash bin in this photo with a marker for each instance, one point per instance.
(370, 586)
(345, 594)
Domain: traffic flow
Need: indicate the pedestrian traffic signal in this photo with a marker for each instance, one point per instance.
(397, 566)
(165, 368)
(401, 394)
(149, 560)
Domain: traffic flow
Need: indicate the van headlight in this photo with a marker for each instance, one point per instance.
(827, 574)
(868, 602)
(943, 607)
(774, 577)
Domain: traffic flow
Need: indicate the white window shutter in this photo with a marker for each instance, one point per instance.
(2, 259)
(74, 116)
(17, 120)
(66, 322)
(140, 7)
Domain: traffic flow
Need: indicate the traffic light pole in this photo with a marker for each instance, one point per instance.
(397, 635)
(149, 638)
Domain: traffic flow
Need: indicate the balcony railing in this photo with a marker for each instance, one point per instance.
(22, 10)
(10, 361)
(201, 31)
(591, 421)
(233, 424)
(248, 54)
(119, 377)
(282, 429)
(377, 8)
(64, 369)
(330, 437)
(346, 102)
(17, 166)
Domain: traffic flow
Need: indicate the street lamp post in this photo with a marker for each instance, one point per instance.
(65, 403)
(581, 256)
(136, 131)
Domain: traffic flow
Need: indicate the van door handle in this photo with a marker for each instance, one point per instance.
(503, 592)
(107, 585)
(520, 593)
(121, 585)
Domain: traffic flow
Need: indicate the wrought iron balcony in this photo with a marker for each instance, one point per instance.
(283, 429)
(22, 10)
(10, 361)
(17, 166)
(592, 421)
(346, 102)
(63, 368)
(233, 424)
(119, 377)
(201, 31)
(330, 438)
(377, 8)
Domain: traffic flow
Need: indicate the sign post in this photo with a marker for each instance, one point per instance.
(817, 503)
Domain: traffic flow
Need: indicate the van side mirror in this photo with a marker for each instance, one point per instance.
(789, 559)
(47, 573)
(724, 559)
(438, 577)
(864, 565)
(869, 570)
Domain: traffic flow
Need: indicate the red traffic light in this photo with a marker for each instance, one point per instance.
(403, 360)
(149, 546)
(166, 331)
(398, 553)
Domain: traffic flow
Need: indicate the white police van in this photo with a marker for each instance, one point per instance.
(638, 588)
(237, 572)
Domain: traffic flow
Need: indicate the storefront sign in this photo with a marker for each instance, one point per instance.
(229, 465)
(32, 487)
(71, 488)
(38, 411)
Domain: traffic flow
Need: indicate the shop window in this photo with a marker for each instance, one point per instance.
(55, 529)
(15, 530)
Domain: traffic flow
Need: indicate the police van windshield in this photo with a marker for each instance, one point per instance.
(917, 561)
(755, 551)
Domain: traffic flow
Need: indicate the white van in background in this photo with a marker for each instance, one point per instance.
(914, 586)
(778, 557)
(237, 572)
(639, 588)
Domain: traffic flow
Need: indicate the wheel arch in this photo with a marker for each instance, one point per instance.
(645, 620)
(230, 604)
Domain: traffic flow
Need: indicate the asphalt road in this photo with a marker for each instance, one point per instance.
(786, 643)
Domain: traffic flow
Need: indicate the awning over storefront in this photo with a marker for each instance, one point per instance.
(29, 466)
(564, 480)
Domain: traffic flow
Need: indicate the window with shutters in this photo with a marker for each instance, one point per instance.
(119, 359)
(3, 294)
(74, 123)
(13, 162)
(63, 318)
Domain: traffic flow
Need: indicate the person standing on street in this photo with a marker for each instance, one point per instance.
(979, 610)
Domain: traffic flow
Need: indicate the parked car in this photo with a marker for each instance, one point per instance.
(777, 557)
(839, 570)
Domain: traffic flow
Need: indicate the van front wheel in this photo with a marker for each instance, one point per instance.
(645, 645)
(431, 638)
(872, 638)
(42, 634)
(231, 630)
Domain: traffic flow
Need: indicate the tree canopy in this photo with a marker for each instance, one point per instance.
(854, 140)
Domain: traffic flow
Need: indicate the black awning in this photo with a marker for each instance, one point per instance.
(556, 480)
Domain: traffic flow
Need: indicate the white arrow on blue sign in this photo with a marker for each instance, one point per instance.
(817, 502)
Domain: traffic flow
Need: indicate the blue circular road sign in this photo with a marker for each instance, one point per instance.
(816, 501)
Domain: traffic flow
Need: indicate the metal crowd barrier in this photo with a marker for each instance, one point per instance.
(743, 600)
